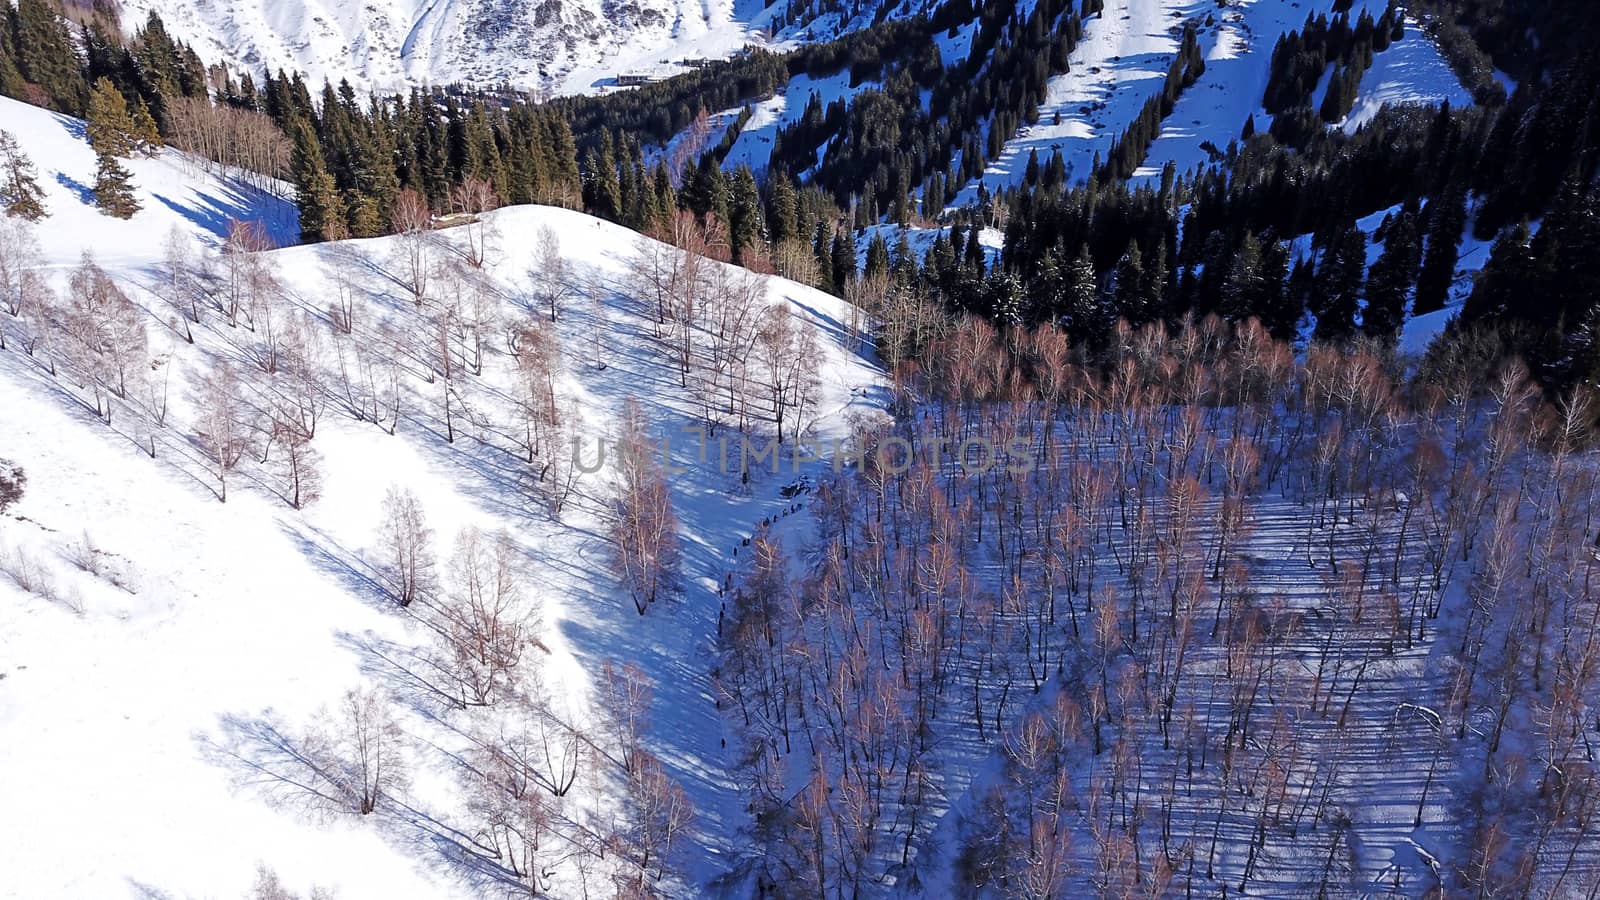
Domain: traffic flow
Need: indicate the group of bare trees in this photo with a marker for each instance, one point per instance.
(484, 620)
(268, 886)
(1196, 602)
(260, 402)
(241, 143)
(259, 365)
(263, 402)
(644, 531)
(538, 756)
(93, 336)
(745, 360)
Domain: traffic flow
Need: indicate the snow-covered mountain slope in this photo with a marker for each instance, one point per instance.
(561, 46)
(1410, 71)
(174, 191)
(394, 43)
(1124, 55)
(558, 46)
(1121, 60)
(167, 670)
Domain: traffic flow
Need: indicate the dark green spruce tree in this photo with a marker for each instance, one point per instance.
(322, 216)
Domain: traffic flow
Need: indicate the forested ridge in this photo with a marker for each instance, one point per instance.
(1082, 249)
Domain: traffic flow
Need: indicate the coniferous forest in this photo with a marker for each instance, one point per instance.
(1081, 249)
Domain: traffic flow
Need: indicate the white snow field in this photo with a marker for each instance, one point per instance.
(1410, 71)
(164, 676)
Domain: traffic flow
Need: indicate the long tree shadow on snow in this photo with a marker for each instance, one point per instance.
(295, 772)
(84, 193)
(216, 212)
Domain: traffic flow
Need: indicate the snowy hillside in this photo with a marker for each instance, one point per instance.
(1124, 56)
(183, 681)
(563, 45)
(174, 191)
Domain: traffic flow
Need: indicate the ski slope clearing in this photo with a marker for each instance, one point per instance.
(1238, 65)
(753, 147)
(1121, 61)
(186, 658)
(1410, 71)
(1124, 56)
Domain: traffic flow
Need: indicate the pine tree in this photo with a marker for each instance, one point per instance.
(157, 56)
(1339, 285)
(1563, 287)
(146, 136)
(111, 128)
(113, 188)
(973, 256)
(1333, 103)
(844, 258)
(665, 199)
(1006, 300)
(1242, 290)
(604, 190)
(744, 220)
(363, 218)
(782, 208)
(1128, 284)
(877, 262)
(19, 183)
(1390, 279)
(321, 212)
(822, 249)
(45, 55)
(1085, 314)
(1449, 218)
(1501, 289)
(901, 260)
(1280, 308)
(1154, 290)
